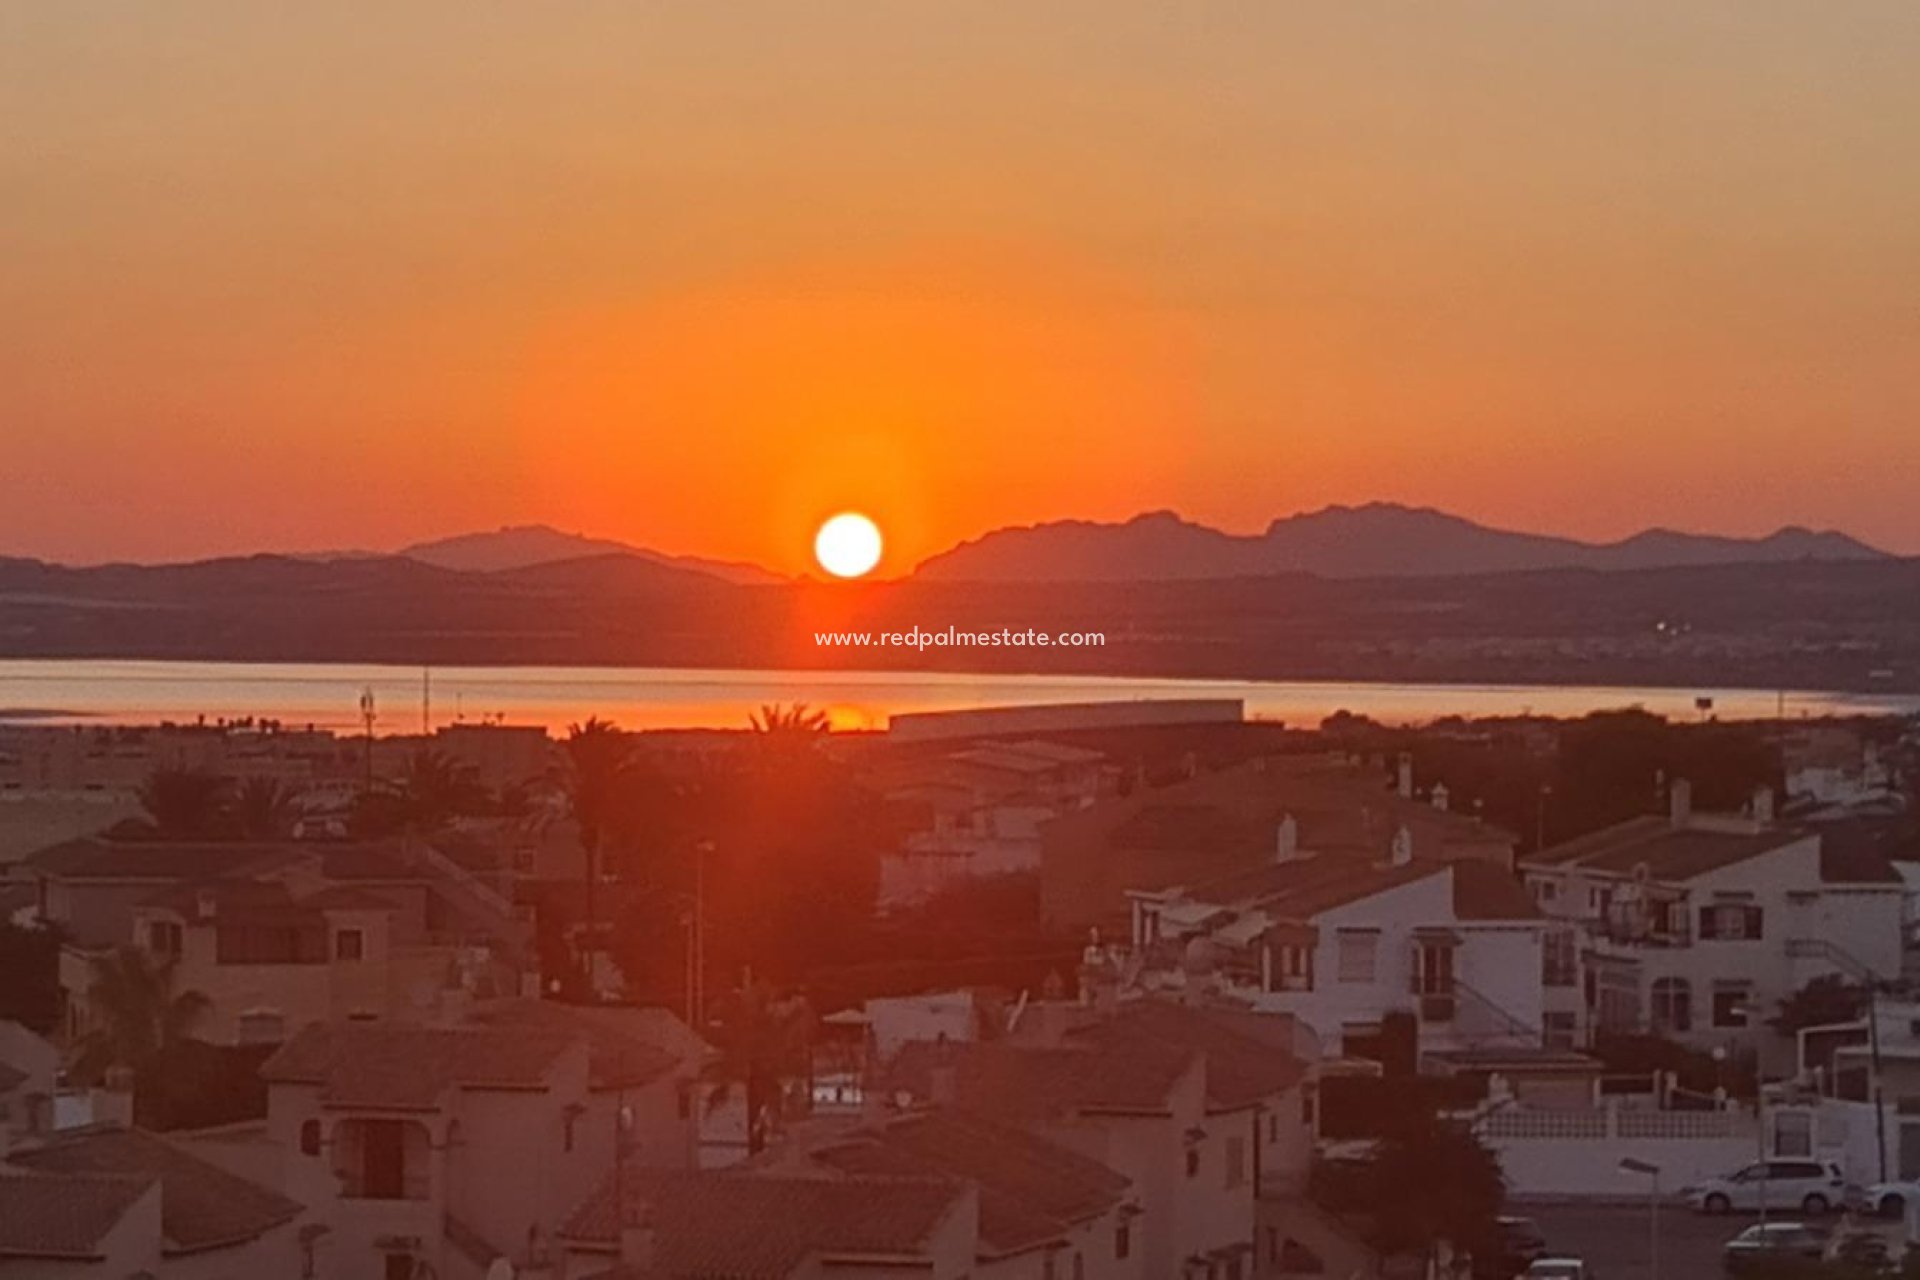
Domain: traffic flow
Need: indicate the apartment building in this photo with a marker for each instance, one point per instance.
(461, 1146)
(279, 934)
(1695, 925)
(1342, 944)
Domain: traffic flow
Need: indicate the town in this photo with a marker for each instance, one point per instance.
(1142, 990)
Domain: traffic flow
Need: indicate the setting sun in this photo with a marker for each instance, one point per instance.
(848, 545)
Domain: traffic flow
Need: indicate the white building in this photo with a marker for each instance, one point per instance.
(1696, 925)
(1341, 943)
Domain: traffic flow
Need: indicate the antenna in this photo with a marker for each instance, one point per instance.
(426, 700)
(366, 718)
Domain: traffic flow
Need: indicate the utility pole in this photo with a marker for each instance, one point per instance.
(426, 700)
(366, 719)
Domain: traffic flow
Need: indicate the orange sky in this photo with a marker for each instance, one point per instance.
(330, 276)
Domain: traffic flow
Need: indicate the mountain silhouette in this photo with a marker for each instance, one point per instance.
(1376, 540)
(529, 545)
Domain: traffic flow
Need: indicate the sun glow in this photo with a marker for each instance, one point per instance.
(848, 545)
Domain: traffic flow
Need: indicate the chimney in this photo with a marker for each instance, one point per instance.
(1763, 805)
(1405, 781)
(1680, 803)
(1440, 796)
(1286, 840)
(1402, 847)
(205, 905)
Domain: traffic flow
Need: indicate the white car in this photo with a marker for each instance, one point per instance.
(1558, 1269)
(1890, 1199)
(1812, 1187)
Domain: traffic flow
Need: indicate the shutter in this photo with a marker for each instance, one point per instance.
(1756, 917)
(1709, 923)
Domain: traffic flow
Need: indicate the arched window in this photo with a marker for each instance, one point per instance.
(1672, 1005)
(310, 1137)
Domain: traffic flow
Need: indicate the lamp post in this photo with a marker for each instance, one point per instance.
(1652, 1173)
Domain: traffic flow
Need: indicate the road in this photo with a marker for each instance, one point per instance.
(1614, 1240)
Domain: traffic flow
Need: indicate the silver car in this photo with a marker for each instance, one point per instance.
(1813, 1187)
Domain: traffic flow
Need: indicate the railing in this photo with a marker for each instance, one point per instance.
(1478, 1017)
(1837, 956)
(1611, 1123)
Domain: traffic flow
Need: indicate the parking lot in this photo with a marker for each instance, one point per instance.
(1615, 1239)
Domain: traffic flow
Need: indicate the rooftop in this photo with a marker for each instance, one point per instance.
(201, 1205)
(1032, 1191)
(402, 1067)
(1022, 1083)
(625, 1046)
(1668, 852)
(1250, 1057)
(53, 1217)
(719, 1225)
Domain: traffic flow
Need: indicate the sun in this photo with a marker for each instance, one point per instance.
(848, 545)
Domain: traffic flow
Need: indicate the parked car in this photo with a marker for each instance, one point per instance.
(1520, 1243)
(1768, 1243)
(1814, 1187)
(1558, 1269)
(1890, 1199)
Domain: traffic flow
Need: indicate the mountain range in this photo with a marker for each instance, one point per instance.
(1378, 540)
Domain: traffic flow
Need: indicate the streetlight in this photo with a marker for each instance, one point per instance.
(1652, 1173)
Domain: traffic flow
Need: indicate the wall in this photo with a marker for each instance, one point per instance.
(1578, 1153)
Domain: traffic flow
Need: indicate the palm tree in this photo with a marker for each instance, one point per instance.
(136, 1014)
(185, 804)
(434, 790)
(788, 724)
(765, 1041)
(264, 809)
(598, 753)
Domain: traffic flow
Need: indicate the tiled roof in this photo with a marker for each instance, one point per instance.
(98, 858)
(1032, 1191)
(1668, 852)
(1483, 891)
(55, 1217)
(393, 1065)
(717, 1225)
(1250, 1056)
(619, 1054)
(202, 1206)
(1303, 887)
(1018, 1082)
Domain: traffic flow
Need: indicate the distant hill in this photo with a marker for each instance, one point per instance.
(1376, 540)
(525, 546)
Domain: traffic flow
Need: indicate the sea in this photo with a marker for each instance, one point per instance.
(406, 699)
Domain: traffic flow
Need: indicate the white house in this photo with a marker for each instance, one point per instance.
(1695, 925)
(1341, 942)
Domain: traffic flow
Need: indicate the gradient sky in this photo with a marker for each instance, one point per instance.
(294, 276)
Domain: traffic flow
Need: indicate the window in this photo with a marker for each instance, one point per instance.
(1730, 1001)
(1193, 1162)
(382, 1159)
(1357, 952)
(1559, 1029)
(1672, 1005)
(1545, 891)
(1079, 1267)
(1049, 1269)
(1559, 958)
(350, 944)
(310, 1137)
(164, 938)
(1236, 1162)
(1291, 968)
(1433, 969)
(1732, 922)
(1123, 1241)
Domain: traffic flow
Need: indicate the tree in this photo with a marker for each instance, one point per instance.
(1829, 998)
(1427, 1182)
(796, 723)
(598, 753)
(263, 809)
(433, 791)
(185, 804)
(136, 1014)
(764, 1040)
(30, 976)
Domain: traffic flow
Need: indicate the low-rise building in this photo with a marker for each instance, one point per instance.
(1695, 925)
